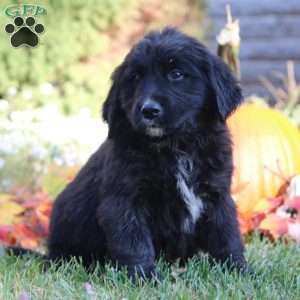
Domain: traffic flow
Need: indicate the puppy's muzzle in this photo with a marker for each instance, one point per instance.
(151, 111)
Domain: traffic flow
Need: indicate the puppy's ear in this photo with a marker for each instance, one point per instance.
(111, 108)
(226, 89)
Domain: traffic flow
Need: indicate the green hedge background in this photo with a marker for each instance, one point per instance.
(74, 31)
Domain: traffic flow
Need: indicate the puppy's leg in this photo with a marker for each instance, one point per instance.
(221, 238)
(128, 239)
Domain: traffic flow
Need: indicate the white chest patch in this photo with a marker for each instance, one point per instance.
(193, 203)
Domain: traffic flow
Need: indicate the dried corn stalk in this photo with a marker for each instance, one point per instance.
(229, 43)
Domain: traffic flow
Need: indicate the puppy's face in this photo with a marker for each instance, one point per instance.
(163, 91)
(167, 83)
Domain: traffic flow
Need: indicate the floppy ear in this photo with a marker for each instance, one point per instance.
(226, 89)
(111, 111)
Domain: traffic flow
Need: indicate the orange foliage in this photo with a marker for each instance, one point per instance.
(27, 220)
(274, 217)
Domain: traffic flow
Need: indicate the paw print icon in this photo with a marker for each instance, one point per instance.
(24, 32)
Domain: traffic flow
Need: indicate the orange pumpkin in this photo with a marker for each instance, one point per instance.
(266, 152)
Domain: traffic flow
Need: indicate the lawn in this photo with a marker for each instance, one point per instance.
(277, 277)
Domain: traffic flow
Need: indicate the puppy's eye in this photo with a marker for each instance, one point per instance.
(175, 75)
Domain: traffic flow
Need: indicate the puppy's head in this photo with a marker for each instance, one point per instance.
(167, 85)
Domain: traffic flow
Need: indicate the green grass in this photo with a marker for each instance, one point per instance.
(277, 268)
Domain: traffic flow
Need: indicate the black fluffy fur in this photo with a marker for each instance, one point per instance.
(124, 204)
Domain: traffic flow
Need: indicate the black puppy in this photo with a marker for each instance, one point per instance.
(161, 181)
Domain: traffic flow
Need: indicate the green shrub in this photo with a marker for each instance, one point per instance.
(74, 31)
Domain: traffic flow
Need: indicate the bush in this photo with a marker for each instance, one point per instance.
(74, 31)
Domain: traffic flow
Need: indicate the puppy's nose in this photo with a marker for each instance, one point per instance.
(151, 110)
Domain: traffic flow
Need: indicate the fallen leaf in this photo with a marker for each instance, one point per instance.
(245, 225)
(268, 205)
(25, 236)
(5, 234)
(274, 224)
(9, 210)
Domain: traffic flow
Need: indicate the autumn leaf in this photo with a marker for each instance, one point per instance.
(268, 205)
(43, 213)
(40, 217)
(275, 225)
(245, 225)
(25, 236)
(9, 210)
(6, 236)
(25, 218)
